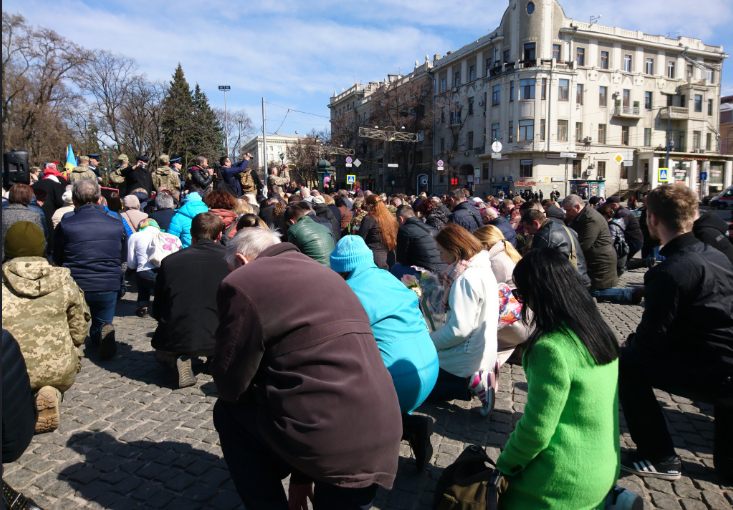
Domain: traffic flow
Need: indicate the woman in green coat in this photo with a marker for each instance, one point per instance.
(564, 451)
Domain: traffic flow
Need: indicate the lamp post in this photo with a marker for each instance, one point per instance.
(225, 88)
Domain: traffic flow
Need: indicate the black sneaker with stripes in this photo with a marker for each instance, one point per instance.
(670, 469)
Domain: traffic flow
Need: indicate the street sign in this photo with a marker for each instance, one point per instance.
(224, 87)
(349, 160)
(357, 163)
(393, 165)
(350, 179)
(496, 155)
(496, 146)
(663, 175)
(628, 162)
(568, 154)
(440, 162)
(440, 168)
(619, 158)
(349, 165)
(703, 176)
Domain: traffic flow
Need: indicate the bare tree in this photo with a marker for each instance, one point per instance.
(241, 129)
(305, 154)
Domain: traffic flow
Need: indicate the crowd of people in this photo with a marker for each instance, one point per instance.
(409, 298)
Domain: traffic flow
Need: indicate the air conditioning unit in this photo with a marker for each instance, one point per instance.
(588, 139)
(480, 103)
(589, 172)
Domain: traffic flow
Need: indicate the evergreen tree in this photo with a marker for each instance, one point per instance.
(177, 119)
(208, 136)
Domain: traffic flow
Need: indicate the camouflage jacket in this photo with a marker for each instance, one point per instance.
(116, 176)
(167, 178)
(274, 180)
(46, 312)
(80, 173)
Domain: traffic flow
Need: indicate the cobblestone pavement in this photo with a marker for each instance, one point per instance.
(129, 439)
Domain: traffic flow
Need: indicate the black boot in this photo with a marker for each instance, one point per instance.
(417, 431)
(14, 500)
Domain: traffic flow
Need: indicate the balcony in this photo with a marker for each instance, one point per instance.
(675, 113)
(628, 112)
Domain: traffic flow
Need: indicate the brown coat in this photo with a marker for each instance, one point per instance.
(326, 402)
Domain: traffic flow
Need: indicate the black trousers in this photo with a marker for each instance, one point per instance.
(257, 470)
(684, 376)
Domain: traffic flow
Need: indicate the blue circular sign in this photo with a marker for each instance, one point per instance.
(349, 160)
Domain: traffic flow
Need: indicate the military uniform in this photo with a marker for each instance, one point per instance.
(46, 312)
(165, 176)
(274, 180)
(93, 168)
(82, 171)
(116, 179)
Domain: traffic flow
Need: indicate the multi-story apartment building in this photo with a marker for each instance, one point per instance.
(565, 98)
(277, 144)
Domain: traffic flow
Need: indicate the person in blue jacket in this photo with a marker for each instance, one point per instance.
(181, 223)
(402, 336)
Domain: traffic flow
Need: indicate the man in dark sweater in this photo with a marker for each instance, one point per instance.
(416, 243)
(684, 343)
(632, 232)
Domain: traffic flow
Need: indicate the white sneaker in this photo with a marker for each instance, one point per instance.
(623, 499)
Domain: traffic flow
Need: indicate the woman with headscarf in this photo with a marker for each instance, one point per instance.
(379, 231)
(138, 258)
(132, 213)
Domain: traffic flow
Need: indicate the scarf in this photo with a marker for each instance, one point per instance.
(148, 223)
(449, 276)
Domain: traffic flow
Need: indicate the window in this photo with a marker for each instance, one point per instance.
(544, 88)
(526, 130)
(627, 63)
(442, 145)
(698, 103)
(709, 142)
(529, 51)
(511, 91)
(488, 66)
(543, 125)
(470, 106)
(648, 100)
(601, 133)
(556, 52)
(601, 169)
(511, 132)
(562, 130)
(507, 54)
(627, 98)
(670, 98)
(441, 177)
(710, 75)
(670, 69)
(580, 56)
(457, 79)
(562, 90)
(624, 135)
(696, 139)
(496, 95)
(442, 115)
(579, 94)
(650, 66)
(526, 89)
(442, 85)
(494, 132)
(683, 101)
(603, 96)
(271, 148)
(455, 115)
(710, 106)
(525, 168)
(578, 131)
(279, 148)
(604, 60)
(470, 140)
(472, 73)
(690, 72)
(682, 146)
(647, 137)
(530, 8)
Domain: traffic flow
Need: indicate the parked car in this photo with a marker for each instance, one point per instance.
(707, 198)
(724, 200)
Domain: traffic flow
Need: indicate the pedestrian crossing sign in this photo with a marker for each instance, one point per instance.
(663, 175)
(350, 179)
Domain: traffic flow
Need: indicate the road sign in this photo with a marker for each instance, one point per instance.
(349, 160)
(663, 175)
(568, 154)
(357, 163)
(440, 168)
(440, 162)
(350, 179)
(628, 162)
(224, 87)
(393, 165)
(349, 165)
(496, 155)
(496, 146)
(619, 158)
(703, 176)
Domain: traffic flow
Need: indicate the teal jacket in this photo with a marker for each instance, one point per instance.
(564, 451)
(312, 239)
(181, 223)
(402, 335)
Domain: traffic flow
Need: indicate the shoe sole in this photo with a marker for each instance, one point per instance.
(47, 406)
(107, 344)
(185, 373)
(652, 474)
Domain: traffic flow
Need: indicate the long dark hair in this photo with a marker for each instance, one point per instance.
(549, 284)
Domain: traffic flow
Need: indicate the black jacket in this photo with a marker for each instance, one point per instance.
(688, 304)
(54, 200)
(323, 212)
(633, 229)
(137, 178)
(416, 246)
(710, 229)
(556, 214)
(201, 178)
(267, 213)
(337, 214)
(163, 217)
(185, 298)
(509, 233)
(19, 413)
(553, 235)
(465, 215)
(371, 233)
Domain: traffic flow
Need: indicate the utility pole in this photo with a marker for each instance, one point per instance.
(669, 133)
(264, 140)
(225, 88)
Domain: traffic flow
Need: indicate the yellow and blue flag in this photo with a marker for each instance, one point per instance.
(70, 159)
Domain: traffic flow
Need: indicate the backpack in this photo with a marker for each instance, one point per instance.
(162, 245)
(619, 243)
(469, 483)
(248, 183)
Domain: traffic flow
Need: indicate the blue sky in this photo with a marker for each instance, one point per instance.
(297, 52)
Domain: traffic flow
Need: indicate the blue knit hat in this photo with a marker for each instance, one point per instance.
(351, 253)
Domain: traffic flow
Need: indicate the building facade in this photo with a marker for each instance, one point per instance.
(277, 144)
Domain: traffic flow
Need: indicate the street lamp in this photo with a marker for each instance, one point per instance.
(225, 88)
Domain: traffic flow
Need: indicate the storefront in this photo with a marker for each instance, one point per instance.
(586, 189)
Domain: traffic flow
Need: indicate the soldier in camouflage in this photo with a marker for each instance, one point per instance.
(46, 312)
(273, 180)
(82, 171)
(164, 176)
(116, 179)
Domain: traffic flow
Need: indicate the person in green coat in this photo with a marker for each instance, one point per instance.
(564, 451)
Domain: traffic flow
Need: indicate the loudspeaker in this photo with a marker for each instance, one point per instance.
(15, 167)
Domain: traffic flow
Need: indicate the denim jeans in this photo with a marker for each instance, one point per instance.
(617, 296)
(145, 284)
(102, 308)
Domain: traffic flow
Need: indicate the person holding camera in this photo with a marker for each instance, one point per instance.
(138, 176)
(201, 175)
(241, 178)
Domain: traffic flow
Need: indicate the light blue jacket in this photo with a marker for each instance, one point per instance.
(181, 223)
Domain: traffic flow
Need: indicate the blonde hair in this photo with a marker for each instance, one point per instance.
(489, 235)
(242, 207)
(328, 199)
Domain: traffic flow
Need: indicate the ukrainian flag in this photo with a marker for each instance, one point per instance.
(70, 159)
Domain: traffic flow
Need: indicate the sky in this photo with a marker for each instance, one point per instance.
(296, 53)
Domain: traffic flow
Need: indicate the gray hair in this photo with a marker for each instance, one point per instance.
(250, 242)
(573, 200)
(199, 160)
(85, 191)
(164, 201)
